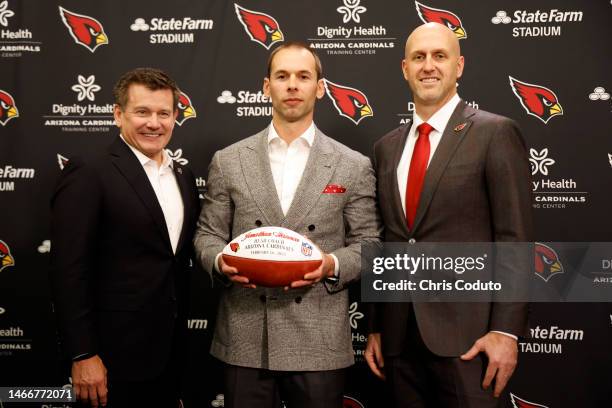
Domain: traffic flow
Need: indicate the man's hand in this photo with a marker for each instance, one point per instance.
(502, 352)
(325, 270)
(233, 274)
(373, 355)
(89, 381)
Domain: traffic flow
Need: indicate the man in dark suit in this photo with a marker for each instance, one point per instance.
(122, 229)
(453, 174)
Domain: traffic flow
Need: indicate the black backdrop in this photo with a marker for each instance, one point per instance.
(61, 93)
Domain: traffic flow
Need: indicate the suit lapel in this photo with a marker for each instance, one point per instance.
(255, 163)
(185, 189)
(455, 130)
(129, 166)
(319, 169)
(398, 149)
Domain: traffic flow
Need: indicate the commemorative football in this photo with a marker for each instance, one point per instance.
(272, 256)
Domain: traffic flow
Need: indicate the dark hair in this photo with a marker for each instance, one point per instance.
(296, 44)
(151, 78)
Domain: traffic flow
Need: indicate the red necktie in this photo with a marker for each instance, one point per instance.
(416, 174)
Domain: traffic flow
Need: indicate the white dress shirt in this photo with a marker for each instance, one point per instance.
(438, 121)
(288, 162)
(167, 191)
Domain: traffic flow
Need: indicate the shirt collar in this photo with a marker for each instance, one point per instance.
(144, 160)
(308, 135)
(440, 119)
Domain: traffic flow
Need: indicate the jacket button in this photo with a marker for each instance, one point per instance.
(262, 298)
(298, 299)
(411, 241)
(258, 223)
(311, 227)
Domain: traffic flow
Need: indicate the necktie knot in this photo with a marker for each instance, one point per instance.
(424, 129)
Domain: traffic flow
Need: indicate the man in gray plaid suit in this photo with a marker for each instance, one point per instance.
(288, 343)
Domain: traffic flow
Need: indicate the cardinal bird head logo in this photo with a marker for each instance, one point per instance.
(6, 259)
(8, 110)
(349, 102)
(234, 246)
(185, 109)
(521, 403)
(537, 100)
(85, 30)
(547, 262)
(260, 27)
(444, 17)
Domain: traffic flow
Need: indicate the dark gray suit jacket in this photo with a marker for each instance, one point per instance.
(303, 329)
(477, 189)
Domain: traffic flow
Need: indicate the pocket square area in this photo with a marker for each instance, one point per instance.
(334, 189)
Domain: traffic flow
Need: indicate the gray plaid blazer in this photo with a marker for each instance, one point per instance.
(303, 329)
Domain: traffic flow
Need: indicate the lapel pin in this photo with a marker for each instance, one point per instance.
(179, 170)
(460, 127)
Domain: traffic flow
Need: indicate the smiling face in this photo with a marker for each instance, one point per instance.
(432, 65)
(147, 120)
(293, 85)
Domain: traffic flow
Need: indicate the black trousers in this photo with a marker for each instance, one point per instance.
(258, 388)
(417, 378)
(162, 391)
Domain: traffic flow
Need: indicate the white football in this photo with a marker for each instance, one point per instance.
(272, 256)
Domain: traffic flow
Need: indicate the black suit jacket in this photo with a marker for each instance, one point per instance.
(119, 290)
(477, 189)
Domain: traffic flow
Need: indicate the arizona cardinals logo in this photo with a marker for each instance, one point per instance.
(262, 28)
(349, 102)
(185, 108)
(85, 30)
(537, 100)
(547, 262)
(234, 246)
(8, 110)
(6, 259)
(444, 17)
(349, 402)
(521, 403)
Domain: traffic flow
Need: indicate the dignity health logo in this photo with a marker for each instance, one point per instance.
(5, 13)
(350, 11)
(540, 161)
(85, 88)
(354, 315)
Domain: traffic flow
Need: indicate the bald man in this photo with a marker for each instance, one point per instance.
(452, 174)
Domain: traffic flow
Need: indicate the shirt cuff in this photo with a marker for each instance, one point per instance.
(336, 266)
(216, 265)
(505, 334)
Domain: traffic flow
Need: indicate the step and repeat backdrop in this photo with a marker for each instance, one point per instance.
(546, 64)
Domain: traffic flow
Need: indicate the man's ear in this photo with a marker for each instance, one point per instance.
(117, 113)
(266, 86)
(320, 88)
